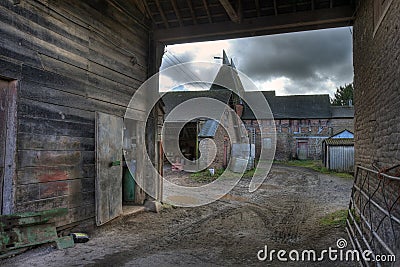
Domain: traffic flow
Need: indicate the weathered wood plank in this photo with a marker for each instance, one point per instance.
(51, 142)
(80, 12)
(116, 77)
(43, 204)
(53, 21)
(28, 28)
(34, 109)
(43, 93)
(55, 127)
(26, 193)
(36, 158)
(3, 133)
(43, 47)
(124, 66)
(81, 199)
(70, 16)
(100, 88)
(76, 215)
(8, 123)
(119, 61)
(10, 68)
(43, 174)
(108, 178)
(107, 22)
(18, 54)
(74, 63)
(82, 185)
(99, 42)
(53, 189)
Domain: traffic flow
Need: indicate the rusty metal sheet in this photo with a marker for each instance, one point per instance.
(108, 167)
(21, 230)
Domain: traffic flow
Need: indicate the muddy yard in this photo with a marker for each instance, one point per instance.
(285, 213)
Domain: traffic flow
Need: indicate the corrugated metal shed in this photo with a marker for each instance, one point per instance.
(208, 129)
(343, 134)
(338, 154)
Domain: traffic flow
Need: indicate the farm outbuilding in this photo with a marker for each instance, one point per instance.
(338, 152)
(69, 68)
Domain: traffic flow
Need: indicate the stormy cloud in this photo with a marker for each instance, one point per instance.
(294, 63)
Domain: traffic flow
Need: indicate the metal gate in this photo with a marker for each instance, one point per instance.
(373, 221)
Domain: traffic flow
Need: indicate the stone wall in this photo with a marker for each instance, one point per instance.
(377, 114)
(377, 88)
(222, 143)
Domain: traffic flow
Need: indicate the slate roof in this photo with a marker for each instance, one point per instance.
(174, 98)
(209, 128)
(294, 107)
(282, 107)
(342, 112)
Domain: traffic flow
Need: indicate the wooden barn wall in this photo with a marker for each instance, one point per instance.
(71, 58)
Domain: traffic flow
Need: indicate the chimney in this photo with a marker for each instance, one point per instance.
(350, 103)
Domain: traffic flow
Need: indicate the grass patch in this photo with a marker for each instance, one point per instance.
(316, 166)
(249, 173)
(335, 219)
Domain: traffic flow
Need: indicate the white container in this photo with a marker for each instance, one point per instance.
(212, 171)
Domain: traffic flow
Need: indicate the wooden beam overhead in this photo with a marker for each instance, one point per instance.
(208, 11)
(177, 14)
(141, 7)
(257, 2)
(230, 10)
(306, 20)
(146, 6)
(164, 18)
(275, 8)
(240, 10)
(190, 4)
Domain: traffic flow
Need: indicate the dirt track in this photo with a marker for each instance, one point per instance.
(283, 214)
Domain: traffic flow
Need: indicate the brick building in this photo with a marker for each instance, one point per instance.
(302, 122)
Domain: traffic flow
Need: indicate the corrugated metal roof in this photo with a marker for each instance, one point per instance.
(209, 128)
(339, 141)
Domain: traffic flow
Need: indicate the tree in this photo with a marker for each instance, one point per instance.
(343, 95)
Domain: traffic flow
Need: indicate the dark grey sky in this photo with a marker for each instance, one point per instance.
(295, 63)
